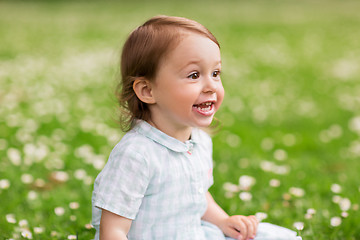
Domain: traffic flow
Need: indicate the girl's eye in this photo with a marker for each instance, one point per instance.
(216, 73)
(194, 76)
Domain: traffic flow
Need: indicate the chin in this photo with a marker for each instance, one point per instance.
(204, 124)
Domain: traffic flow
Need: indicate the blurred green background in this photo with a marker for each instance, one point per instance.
(289, 146)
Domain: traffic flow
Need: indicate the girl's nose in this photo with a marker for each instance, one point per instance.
(211, 84)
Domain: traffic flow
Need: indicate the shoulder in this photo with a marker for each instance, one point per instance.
(133, 141)
(128, 156)
(135, 146)
(203, 137)
(203, 141)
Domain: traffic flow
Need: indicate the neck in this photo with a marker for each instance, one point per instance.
(181, 134)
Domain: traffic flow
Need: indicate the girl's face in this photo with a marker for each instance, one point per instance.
(187, 88)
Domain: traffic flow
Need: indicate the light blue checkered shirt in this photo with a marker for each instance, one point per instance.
(157, 181)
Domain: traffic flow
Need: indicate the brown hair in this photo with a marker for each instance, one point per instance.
(141, 55)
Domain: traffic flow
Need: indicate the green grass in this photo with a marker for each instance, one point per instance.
(291, 70)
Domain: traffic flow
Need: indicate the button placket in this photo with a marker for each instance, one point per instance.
(190, 147)
(197, 188)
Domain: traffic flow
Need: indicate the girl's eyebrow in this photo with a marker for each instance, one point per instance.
(197, 61)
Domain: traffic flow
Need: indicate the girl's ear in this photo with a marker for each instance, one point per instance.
(143, 91)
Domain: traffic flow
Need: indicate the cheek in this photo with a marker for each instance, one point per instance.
(181, 99)
(220, 95)
(186, 94)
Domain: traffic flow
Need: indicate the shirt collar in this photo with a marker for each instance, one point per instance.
(158, 136)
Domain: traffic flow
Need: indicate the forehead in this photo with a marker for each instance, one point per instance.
(194, 47)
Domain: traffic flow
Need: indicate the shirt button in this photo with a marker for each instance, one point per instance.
(201, 190)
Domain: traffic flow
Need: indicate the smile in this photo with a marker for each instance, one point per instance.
(206, 108)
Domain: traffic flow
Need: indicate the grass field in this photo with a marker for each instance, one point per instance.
(289, 146)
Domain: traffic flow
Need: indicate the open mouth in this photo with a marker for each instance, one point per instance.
(206, 108)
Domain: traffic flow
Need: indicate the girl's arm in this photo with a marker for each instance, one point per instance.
(238, 226)
(113, 227)
(214, 213)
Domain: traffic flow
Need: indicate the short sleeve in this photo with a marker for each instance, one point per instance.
(121, 185)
